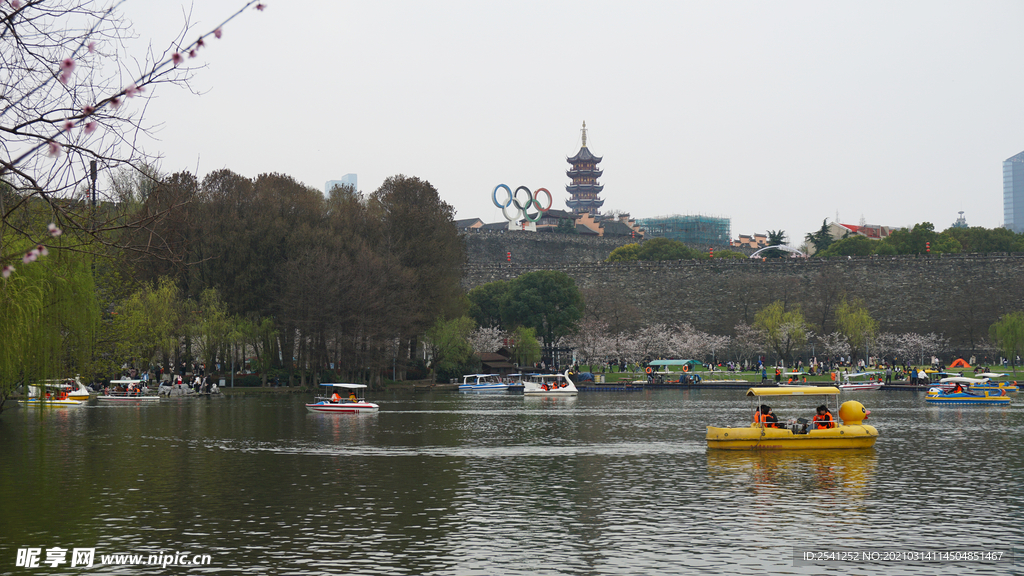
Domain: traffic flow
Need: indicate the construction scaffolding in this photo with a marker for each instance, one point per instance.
(690, 229)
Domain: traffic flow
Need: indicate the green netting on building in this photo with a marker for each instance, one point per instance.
(704, 230)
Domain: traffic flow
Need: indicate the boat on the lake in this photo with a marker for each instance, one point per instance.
(861, 381)
(799, 434)
(549, 385)
(483, 383)
(996, 381)
(127, 391)
(51, 402)
(63, 389)
(344, 399)
(959, 394)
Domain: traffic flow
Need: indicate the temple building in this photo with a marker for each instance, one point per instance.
(584, 188)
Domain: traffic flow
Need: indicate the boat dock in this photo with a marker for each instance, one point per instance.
(721, 384)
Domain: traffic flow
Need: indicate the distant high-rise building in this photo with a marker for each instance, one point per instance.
(346, 180)
(584, 188)
(1013, 193)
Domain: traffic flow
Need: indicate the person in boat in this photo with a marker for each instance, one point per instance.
(823, 419)
(957, 389)
(352, 396)
(766, 416)
(335, 398)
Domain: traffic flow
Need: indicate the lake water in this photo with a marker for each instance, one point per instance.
(442, 483)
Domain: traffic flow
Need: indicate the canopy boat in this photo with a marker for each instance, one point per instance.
(931, 377)
(549, 385)
(128, 391)
(861, 381)
(798, 434)
(960, 396)
(344, 399)
(483, 383)
(50, 396)
(996, 381)
(66, 389)
(515, 382)
(687, 365)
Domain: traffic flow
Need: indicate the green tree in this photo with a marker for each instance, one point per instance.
(525, 348)
(653, 250)
(486, 301)
(50, 319)
(1008, 333)
(149, 322)
(921, 239)
(854, 321)
(449, 343)
(547, 301)
(821, 239)
(784, 331)
(565, 226)
(775, 238)
(981, 240)
(212, 333)
(730, 255)
(854, 245)
(625, 253)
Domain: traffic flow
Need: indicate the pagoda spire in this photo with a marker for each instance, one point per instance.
(584, 134)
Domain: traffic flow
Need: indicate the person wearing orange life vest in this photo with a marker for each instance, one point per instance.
(765, 416)
(335, 398)
(823, 419)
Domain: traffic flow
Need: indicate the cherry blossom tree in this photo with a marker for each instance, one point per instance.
(747, 342)
(73, 104)
(918, 345)
(487, 339)
(591, 341)
(653, 341)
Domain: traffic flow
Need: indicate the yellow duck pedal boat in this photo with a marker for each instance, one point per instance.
(850, 433)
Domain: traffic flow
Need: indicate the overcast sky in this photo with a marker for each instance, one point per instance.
(776, 114)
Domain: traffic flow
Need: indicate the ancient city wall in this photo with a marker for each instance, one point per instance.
(959, 296)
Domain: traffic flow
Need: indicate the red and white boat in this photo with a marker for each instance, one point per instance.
(344, 398)
(861, 381)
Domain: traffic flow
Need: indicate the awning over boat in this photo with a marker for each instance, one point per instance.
(346, 385)
(675, 363)
(964, 380)
(794, 391)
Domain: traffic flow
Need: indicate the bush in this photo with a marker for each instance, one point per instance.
(249, 380)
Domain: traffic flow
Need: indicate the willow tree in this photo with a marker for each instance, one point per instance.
(50, 316)
(785, 331)
(149, 322)
(854, 321)
(1008, 333)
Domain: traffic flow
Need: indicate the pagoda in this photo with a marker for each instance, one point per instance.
(584, 188)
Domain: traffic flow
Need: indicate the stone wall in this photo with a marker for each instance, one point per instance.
(958, 296)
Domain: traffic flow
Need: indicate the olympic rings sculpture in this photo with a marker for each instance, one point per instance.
(532, 201)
